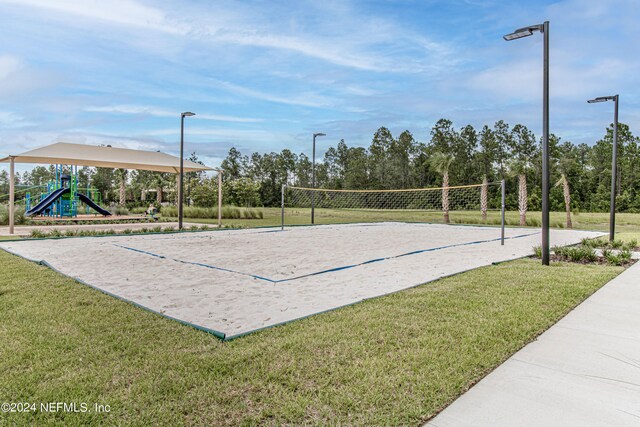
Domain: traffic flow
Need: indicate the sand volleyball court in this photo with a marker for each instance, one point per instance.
(231, 282)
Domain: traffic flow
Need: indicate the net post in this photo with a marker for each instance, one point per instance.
(502, 208)
(282, 207)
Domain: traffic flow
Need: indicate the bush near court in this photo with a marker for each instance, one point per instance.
(40, 234)
(615, 252)
(228, 212)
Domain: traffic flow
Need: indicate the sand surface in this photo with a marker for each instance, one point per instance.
(236, 281)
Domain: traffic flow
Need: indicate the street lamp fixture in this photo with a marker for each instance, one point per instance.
(313, 176)
(518, 34)
(614, 160)
(523, 32)
(602, 99)
(180, 186)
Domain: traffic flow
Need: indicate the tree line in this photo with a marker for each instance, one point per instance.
(458, 156)
(468, 156)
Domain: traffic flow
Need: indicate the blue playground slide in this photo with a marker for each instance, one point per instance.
(87, 201)
(44, 204)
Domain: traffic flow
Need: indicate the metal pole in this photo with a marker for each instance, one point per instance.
(282, 206)
(12, 193)
(502, 185)
(313, 182)
(219, 199)
(545, 148)
(181, 171)
(614, 171)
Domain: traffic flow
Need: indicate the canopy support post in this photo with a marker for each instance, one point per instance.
(219, 199)
(12, 193)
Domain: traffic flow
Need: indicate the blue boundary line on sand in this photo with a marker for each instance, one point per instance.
(330, 270)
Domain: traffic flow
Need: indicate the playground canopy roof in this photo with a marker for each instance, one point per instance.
(105, 157)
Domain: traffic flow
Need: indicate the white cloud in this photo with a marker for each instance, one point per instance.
(159, 112)
(11, 120)
(9, 65)
(305, 99)
(119, 12)
(346, 37)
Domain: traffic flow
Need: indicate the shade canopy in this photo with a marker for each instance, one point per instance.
(105, 157)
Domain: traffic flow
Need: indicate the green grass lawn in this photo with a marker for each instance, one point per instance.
(394, 360)
(625, 222)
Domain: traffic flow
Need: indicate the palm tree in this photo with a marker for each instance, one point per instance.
(122, 176)
(519, 168)
(567, 197)
(484, 195)
(159, 181)
(441, 163)
(566, 165)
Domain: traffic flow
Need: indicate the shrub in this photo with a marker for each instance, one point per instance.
(537, 251)
(228, 212)
(616, 244)
(625, 255)
(532, 222)
(38, 234)
(630, 245)
(620, 258)
(18, 215)
(120, 210)
(169, 229)
(576, 253)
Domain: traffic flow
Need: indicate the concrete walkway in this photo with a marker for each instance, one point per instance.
(21, 231)
(583, 371)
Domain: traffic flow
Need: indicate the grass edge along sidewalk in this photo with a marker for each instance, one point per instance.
(397, 359)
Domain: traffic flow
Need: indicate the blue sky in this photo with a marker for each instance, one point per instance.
(265, 75)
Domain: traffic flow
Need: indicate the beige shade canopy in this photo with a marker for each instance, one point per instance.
(105, 157)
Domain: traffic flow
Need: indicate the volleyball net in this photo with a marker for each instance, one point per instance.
(465, 204)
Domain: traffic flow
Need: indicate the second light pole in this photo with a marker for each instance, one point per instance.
(614, 161)
(180, 186)
(524, 32)
(313, 177)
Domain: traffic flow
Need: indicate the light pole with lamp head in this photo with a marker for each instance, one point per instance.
(180, 187)
(614, 160)
(313, 176)
(525, 32)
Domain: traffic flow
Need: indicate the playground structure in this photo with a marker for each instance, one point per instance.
(63, 153)
(62, 198)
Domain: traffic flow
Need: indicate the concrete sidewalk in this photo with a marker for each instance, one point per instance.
(583, 371)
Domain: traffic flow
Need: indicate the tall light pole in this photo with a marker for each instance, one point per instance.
(614, 161)
(180, 187)
(517, 34)
(313, 177)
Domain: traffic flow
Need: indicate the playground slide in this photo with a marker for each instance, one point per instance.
(44, 204)
(87, 201)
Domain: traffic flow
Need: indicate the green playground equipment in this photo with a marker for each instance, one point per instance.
(61, 197)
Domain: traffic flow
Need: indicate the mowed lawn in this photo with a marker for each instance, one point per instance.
(625, 222)
(394, 360)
